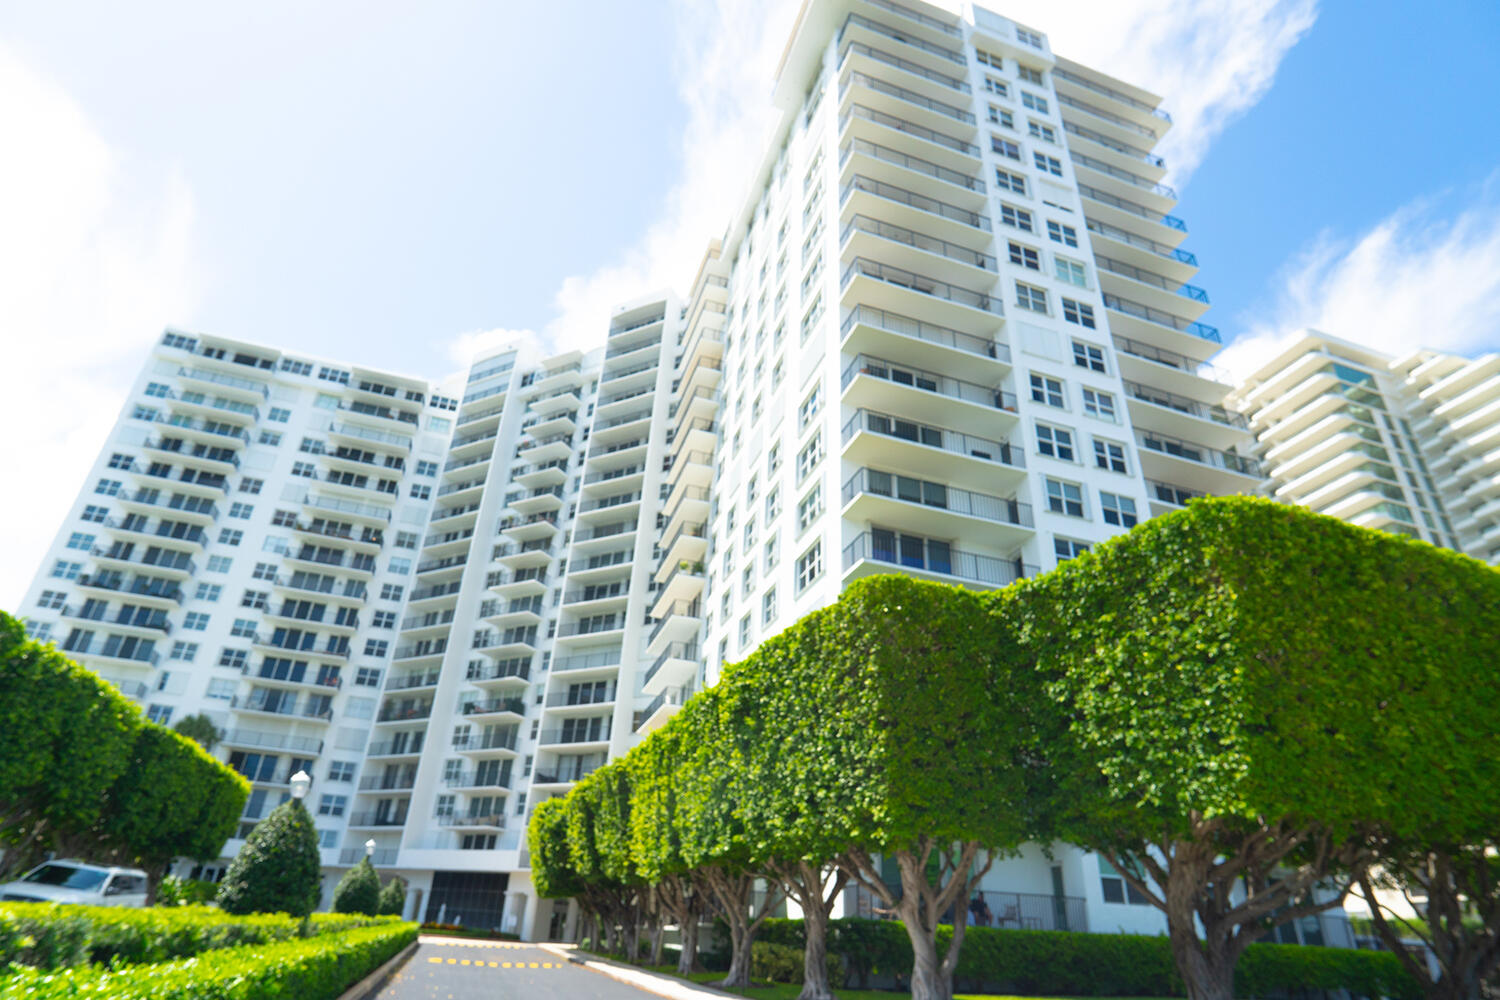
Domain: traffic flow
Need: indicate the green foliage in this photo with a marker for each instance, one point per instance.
(319, 968)
(392, 897)
(358, 891)
(51, 935)
(79, 764)
(199, 728)
(779, 963)
(176, 891)
(279, 870)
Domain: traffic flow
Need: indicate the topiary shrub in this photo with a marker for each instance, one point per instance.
(279, 869)
(779, 963)
(358, 891)
(393, 897)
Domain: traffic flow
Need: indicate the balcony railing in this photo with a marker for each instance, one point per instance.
(917, 16)
(1119, 121)
(388, 782)
(910, 97)
(1166, 319)
(1133, 208)
(906, 326)
(1125, 236)
(668, 696)
(378, 819)
(690, 609)
(560, 775)
(583, 696)
(1109, 92)
(403, 682)
(487, 741)
(674, 651)
(1171, 359)
(404, 713)
(495, 705)
(970, 566)
(382, 857)
(956, 58)
(915, 378)
(587, 661)
(1145, 277)
(921, 202)
(576, 734)
(1177, 496)
(1193, 408)
(915, 69)
(1134, 180)
(518, 667)
(954, 441)
(937, 496)
(912, 163)
(1202, 454)
(920, 241)
(1034, 911)
(864, 268)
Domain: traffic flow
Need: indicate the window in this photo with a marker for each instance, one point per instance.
(251, 485)
(1016, 218)
(1024, 256)
(1099, 404)
(1109, 455)
(221, 689)
(1032, 101)
(270, 438)
(233, 658)
(368, 676)
(809, 507)
(768, 607)
(332, 805)
(1115, 889)
(158, 390)
(283, 519)
(1029, 75)
(744, 632)
(279, 414)
(376, 647)
(384, 619)
(1088, 356)
(1031, 298)
(109, 487)
(773, 504)
(341, 770)
(1064, 498)
(230, 536)
(80, 540)
(1043, 132)
(421, 491)
(1070, 271)
(184, 651)
(1006, 148)
(243, 628)
(196, 621)
(809, 566)
(770, 553)
(64, 570)
(996, 86)
(999, 116)
(119, 461)
(1067, 548)
(1059, 233)
(1118, 510)
(208, 592)
(274, 543)
(1028, 37)
(241, 511)
(296, 367)
(264, 571)
(810, 407)
(1047, 164)
(407, 539)
(809, 457)
(747, 580)
(400, 565)
(1048, 390)
(1007, 181)
(159, 714)
(391, 591)
(52, 599)
(1078, 312)
(95, 513)
(1055, 442)
(306, 469)
(143, 412)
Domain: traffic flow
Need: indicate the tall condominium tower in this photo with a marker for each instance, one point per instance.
(1410, 445)
(948, 334)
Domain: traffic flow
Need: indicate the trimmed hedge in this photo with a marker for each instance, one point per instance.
(1064, 963)
(320, 968)
(53, 936)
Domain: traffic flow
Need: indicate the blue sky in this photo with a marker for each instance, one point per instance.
(403, 183)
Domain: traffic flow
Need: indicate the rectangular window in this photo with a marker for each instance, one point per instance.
(1006, 148)
(233, 658)
(80, 540)
(1028, 37)
(809, 457)
(279, 414)
(809, 566)
(221, 689)
(1078, 312)
(391, 591)
(368, 676)
(1055, 442)
(196, 621)
(64, 570)
(768, 607)
(185, 651)
(1029, 75)
(305, 469)
(230, 536)
(1109, 455)
(243, 628)
(251, 485)
(1016, 218)
(810, 407)
(1059, 233)
(95, 513)
(332, 805)
(996, 86)
(109, 487)
(1032, 101)
(270, 438)
(1048, 390)
(158, 390)
(1043, 132)
(1024, 256)
(1064, 498)
(376, 647)
(421, 491)
(399, 565)
(1088, 356)
(809, 507)
(52, 600)
(1118, 510)
(1007, 181)
(208, 591)
(159, 714)
(383, 619)
(1047, 164)
(1031, 298)
(1067, 548)
(241, 511)
(1071, 271)
(341, 770)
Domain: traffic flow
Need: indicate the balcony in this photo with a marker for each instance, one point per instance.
(661, 708)
(1036, 911)
(362, 434)
(1150, 321)
(351, 508)
(1169, 497)
(1110, 266)
(1169, 370)
(905, 101)
(406, 682)
(1102, 90)
(1217, 472)
(903, 338)
(923, 395)
(881, 552)
(377, 819)
(933, 508)
(147, 588)
(679, 620)
(564, 771)
(1162, 251)
(492, 742)
(138, 652)
(911, 208)
(583, 733)
(1124, 212)
(916, 46)
(265, 703)
(488, 777)
(675, 666)
(401, 782)
(883, 163)
(407, 744)
(403, 712)
(513, 672)
(273, 741)
(932, 452)
(384, 857)
(895, 240)
(495, 707)
(606, 661)
(1167, 412)
(242, 388)
(943, 81)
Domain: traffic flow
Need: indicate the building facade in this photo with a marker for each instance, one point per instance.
(949, 333)
(1406, 445)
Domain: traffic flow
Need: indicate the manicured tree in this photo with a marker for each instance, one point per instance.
(173, 800)
(1242, 689)
(393, 897)
(611, 787)
(279, 869)
(552, 870)
(611, 900)
(65, 737)
(199, 728)
(358, 891)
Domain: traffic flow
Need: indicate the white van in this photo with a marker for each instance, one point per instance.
(77, 882)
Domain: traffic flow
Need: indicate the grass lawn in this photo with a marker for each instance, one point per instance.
(784, 991)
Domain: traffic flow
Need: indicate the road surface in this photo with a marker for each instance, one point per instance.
(457, 969)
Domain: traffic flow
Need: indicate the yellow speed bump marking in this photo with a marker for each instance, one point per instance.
(494, 965)
(505, 965)
(435, 961)
(533, 965)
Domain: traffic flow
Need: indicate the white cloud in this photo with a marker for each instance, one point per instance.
(1417, 279)
(1211, 61)
(92, 261)
(463, 349)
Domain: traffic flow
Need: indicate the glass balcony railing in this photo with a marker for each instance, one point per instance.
(1160, 318)
(943, 385)
(938, 558)
(938, 496)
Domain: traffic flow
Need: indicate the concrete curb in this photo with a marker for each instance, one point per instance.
(371, 984)
(663, 986)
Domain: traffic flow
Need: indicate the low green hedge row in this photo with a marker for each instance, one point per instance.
(779, 963)
(318, 968)
(1062, 963)
(53, 936)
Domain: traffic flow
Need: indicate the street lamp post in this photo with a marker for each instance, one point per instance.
(370, 848)
(301, 782)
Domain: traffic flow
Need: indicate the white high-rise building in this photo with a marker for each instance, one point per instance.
(1409, 445)
(948, 333)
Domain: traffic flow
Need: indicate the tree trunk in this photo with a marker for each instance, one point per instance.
(1207, 968)
(154, 875)
(658, 941)
(688, 930)
(632, 936)
(739, 959)
(815, 956)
